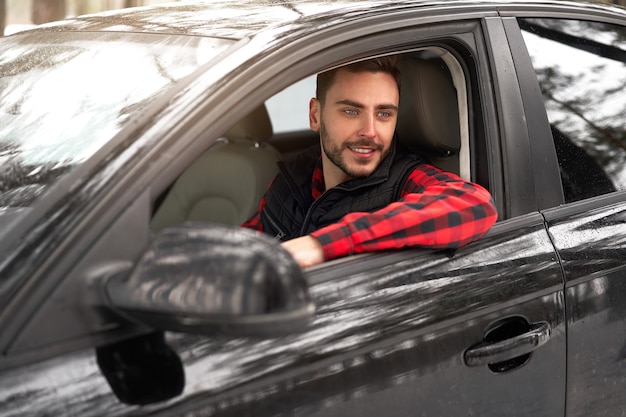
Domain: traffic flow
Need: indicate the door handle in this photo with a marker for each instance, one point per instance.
(493, 352)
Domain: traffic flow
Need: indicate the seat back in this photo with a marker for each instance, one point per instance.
(226, 183)
(428, 115)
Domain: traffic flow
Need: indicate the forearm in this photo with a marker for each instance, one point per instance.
(443, 215)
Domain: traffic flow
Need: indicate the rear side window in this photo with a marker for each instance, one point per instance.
(581, 68)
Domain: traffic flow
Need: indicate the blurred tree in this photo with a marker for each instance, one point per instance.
(44, 11)
(82, 7)
(3, 16)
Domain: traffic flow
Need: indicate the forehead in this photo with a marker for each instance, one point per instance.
(377, 86)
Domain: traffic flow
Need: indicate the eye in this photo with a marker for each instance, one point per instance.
(384, 114)
(350, 112)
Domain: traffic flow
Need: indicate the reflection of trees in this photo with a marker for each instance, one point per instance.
(3, 16)
(22, 183)
(576, 102)
(580, 35)
(25, 119)
(608, 130)
(44, 58)
(552, 81)
(44, 11)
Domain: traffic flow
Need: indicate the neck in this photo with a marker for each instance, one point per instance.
(333, 175)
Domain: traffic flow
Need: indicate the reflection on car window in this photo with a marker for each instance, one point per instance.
(581, 67)
(63, 97)
(289, 109)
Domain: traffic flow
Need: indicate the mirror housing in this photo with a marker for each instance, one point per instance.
(201, 278)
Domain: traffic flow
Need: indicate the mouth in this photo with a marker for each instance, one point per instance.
(362, 151)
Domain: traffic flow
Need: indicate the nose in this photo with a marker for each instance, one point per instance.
(368, 127)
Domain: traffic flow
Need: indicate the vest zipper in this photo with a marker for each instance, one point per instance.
(307, 217)
(280, 235)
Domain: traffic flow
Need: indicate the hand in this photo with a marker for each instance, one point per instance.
(306, 250)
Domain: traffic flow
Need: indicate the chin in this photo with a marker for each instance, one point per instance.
(361, 172)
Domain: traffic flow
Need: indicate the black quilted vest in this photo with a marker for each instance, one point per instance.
(290, 210)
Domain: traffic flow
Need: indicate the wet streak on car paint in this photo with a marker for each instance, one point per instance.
(387, 318)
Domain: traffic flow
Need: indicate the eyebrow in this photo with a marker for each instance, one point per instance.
(360, 106)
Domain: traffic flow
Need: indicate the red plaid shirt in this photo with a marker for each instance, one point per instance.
(436, 210)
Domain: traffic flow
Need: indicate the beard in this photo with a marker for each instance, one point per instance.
(334, 152)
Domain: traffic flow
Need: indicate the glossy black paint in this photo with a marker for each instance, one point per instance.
(390, 331)
(591, 243)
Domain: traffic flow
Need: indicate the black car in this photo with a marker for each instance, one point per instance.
(133, 144)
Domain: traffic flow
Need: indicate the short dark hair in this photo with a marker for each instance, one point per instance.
(387, 64)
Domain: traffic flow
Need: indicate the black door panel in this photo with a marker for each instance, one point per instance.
(390, 336)
(392, 331)
(592, 247)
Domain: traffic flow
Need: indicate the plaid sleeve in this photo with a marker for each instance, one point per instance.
(436, 210)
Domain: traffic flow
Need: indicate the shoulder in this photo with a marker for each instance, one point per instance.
(311, 153)
(295, 174)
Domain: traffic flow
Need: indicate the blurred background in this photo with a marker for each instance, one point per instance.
(17, 15)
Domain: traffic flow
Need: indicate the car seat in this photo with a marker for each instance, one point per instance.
(226, 183)
(428, 114)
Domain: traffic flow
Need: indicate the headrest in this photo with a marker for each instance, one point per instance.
(428, 117)
(256, 126)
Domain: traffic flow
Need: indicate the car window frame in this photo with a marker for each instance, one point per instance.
(542, 140)
(545, 164)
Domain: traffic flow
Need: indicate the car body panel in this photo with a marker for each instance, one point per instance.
(379, 330)
(591, 244)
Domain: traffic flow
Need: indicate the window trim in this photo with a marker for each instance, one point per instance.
(545, 164)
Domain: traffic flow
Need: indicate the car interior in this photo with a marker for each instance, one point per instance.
(226, 183)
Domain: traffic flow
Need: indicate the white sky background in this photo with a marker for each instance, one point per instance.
(289, 109)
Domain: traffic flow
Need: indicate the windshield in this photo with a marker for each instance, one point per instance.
(64, 95)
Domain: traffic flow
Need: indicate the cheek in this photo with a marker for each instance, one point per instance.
(385, 133)
(337, 128)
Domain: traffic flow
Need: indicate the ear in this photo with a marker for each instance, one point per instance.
(314, 114)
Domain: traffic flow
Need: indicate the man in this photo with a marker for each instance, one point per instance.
(358, 192)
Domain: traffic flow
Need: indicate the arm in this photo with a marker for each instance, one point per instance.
(306, 250)
(436, 210)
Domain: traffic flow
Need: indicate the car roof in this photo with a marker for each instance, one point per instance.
(237, 19)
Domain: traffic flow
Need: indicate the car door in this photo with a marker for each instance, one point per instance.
(580, 63)
(480, 330)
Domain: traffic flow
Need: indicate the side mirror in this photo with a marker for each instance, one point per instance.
(212, 278)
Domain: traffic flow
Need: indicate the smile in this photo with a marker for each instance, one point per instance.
(364, 151)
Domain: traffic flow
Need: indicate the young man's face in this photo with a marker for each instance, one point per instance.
(356, 123)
